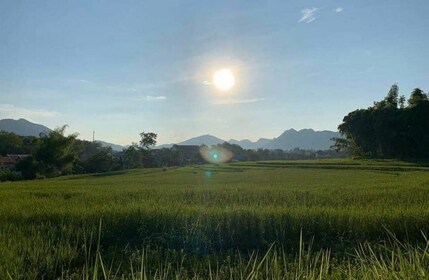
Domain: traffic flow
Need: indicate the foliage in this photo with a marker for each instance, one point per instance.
(11, 143)
(132, 157)
(94, 158)
(9, 175)
(389, 129)
(103, 161)
(148, 140)
(28, 167)
(56, 154)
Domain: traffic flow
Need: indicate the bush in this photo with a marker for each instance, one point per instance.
(9, 175)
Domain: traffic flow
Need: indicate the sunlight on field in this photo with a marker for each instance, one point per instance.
(48, 225)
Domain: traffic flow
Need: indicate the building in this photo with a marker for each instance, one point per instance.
(9, 161)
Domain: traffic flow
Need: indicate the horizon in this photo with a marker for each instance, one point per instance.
(121, 69)
(180, 141)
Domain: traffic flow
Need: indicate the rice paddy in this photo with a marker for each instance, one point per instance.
(325, 219)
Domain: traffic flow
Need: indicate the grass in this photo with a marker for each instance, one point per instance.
(363, 219)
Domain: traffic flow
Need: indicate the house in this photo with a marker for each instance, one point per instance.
(9, 161)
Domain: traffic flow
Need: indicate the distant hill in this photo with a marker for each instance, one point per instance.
(115, 147)
(204, 139)
(304, 139)
(288, 140)
(23, 127)
(247, 144)
(200, 140)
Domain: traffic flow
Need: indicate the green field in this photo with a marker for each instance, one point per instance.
(362, 220)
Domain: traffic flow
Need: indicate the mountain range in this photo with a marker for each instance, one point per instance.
(290, 139)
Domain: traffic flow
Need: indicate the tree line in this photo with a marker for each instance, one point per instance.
(55, 154)
(392, 128)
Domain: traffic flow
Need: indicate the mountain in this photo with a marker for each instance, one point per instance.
(304, 139)
(247, 144)
(204, 139)
(115, 147)
(23, 127)
(288, 140)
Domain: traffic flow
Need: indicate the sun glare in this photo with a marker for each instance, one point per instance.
(224, 79)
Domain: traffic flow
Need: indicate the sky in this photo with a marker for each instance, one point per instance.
(123, 67)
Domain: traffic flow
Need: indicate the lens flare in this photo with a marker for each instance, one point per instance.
(216, 154)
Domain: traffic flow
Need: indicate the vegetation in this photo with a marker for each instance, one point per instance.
(389, 129)
(56, 154)
(329, 219)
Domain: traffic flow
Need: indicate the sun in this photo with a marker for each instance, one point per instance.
(224, 79)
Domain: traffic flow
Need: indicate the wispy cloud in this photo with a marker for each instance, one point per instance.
(338, 10)
(133, 87)
(152, 98)
(14, 112)
(308, 15)
(237, 101)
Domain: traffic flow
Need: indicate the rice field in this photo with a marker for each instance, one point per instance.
(325, 219)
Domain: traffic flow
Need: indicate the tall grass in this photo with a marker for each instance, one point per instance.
(219, 222)
(391, 260)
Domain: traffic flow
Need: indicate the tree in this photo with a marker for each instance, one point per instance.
(340, 144)
(392, 96)
(386, 131)
(10, 143)
(402, 102)
(132, 157)
(56, 153)
(391, 100)
(102, 161)
(148, 140)
(417, 96)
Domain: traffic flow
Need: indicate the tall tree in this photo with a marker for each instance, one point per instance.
(392, 96)
(386, 131)
(417, 96)
(56, 152)
(148, 140)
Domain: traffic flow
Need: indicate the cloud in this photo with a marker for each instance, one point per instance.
(129, 88)
(154, 98)
(237, 101)
(308, 15)
(338, 10)
(14, 112)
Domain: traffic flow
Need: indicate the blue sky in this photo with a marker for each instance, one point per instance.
(122, 67)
